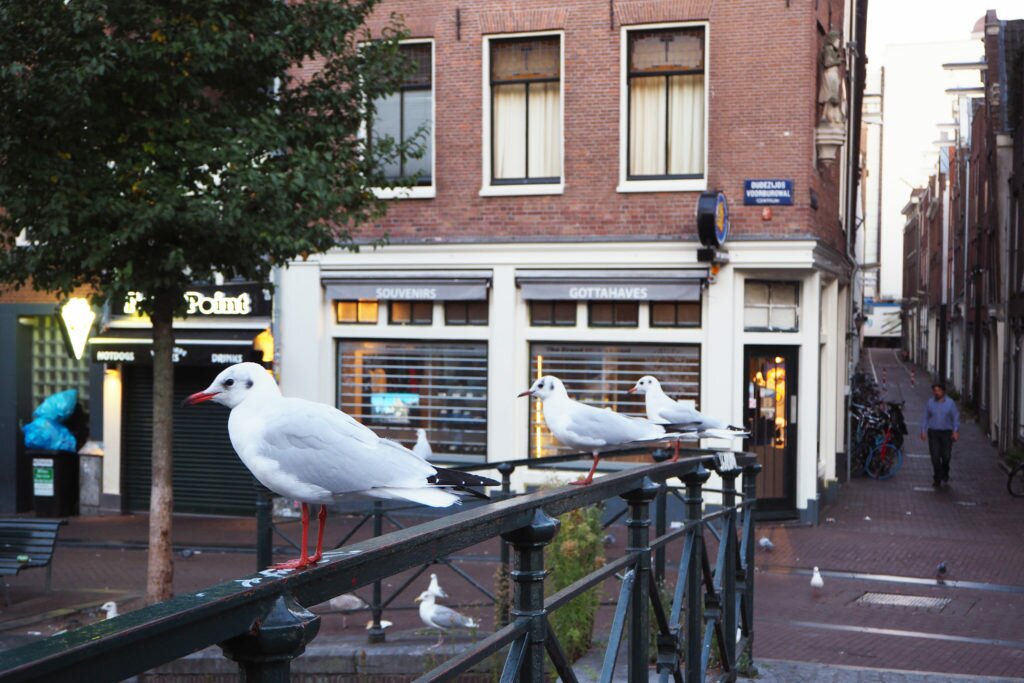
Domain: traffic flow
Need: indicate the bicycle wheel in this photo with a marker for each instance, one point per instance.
(1015, 484)
(884, 461)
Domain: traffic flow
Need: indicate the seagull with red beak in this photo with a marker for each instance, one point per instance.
(313, 453)
(588, 428)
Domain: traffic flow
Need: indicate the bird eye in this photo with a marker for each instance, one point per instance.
(229, 382)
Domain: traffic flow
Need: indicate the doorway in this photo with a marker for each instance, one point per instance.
(770, 414)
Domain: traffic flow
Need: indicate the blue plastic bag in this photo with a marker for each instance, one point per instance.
(58, 407)
(47, 435)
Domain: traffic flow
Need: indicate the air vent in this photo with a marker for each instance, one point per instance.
(897, 600)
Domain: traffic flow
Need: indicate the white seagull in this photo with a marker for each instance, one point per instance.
(440, 617)
(422, 447)
(817, 583)
(663, 410)
(109, 609)
(313, 453)
(435, 587)
(588, 428)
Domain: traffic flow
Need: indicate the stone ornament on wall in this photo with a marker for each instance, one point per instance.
(830, 133)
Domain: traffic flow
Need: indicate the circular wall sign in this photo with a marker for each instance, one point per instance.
(712, 218)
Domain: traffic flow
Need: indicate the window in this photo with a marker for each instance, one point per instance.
(411, 312)
(361, 312)
(614, 313)
(465, 313)
(406, 116)
(675, 314)
(526, 110)
(665, 98)
(53, 368)
(397, 387)
(771, 306)
(553, 313)
(601, 375)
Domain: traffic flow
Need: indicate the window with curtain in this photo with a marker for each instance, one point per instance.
(771, 306)
(405, 116)
(666, 103)
(526, 110)
(601, 375)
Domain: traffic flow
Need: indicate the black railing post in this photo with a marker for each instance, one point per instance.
(264, 527)
(694, 614)
(528, 601)
(750, 473)
(639, 524)
(265, 653)
(376, 632)
(660, 519)
(505, 469)
(729, 568)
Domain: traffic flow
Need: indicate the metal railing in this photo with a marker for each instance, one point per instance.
(261, 623)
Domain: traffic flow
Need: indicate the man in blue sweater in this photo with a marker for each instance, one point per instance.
(940, 427)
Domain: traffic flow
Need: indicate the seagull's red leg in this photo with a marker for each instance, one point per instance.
(322, 519)
(675, 458)
(303, 559)
(590, 475)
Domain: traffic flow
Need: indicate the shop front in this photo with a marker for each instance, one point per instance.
(226, 324)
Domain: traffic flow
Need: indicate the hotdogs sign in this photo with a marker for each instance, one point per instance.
(221, 301)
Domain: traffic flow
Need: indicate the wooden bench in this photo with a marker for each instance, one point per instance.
(27, 543)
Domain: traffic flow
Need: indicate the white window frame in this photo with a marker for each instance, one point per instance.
(421, 191)
(658, 185)
(488, 188)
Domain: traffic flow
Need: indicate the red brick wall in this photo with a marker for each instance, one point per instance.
(762, 87)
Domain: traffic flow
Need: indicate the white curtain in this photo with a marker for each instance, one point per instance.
(509, 132)
(647, 126)
(686, 124)
(545, 143)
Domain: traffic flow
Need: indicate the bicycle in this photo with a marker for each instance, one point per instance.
(886, 458)
(1015, 482)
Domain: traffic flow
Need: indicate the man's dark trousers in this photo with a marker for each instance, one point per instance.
(940, 446)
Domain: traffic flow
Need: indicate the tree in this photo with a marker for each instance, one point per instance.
(147, 144)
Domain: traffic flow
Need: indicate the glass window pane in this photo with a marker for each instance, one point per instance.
(647, 126)
(627, 313)
(417, 123)
(784, 293)
(564, 313)
(666, 50)
(396, 387)
(755, 293)
(783, 318)
(686, 125)
(545, 131)
(401, 312)
(420, 55)
(367, 312)
(541, 312)
(347, 311)
(423, 312)
(755, 318)
(509, 131)
(663, 314)
(688, 313)
(386, 128)
(455, 313)
(602, 314)
(525, 59)
(477, 313)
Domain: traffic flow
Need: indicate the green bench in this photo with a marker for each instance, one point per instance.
(27, 543)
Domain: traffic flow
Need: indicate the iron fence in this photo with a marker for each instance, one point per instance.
(261, 623)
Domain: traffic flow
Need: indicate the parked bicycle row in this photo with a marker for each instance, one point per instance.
(879, 428)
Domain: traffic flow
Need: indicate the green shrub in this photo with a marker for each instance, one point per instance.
(577, 550)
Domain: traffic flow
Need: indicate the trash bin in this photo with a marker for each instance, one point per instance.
(54, 483)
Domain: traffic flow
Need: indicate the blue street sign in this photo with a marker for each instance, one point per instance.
(769, 191)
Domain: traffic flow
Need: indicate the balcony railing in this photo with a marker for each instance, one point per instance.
(261, 623)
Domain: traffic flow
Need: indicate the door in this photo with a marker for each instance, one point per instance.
(208, 476)
(770, 414)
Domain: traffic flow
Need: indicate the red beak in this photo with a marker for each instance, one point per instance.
(198, 397)
(631, 390)
(525, 393)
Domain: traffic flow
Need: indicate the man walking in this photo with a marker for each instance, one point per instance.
(940, 427)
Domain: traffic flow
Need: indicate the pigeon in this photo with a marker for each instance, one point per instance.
(588, 428)
(435, 587)
(343, 604)
(817, 583)
(440, 617)
(422, 447)
(940, 572)
(766, 544)
(663, 410)
(314, 453)
(109, 609)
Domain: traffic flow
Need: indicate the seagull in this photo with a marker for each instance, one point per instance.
(109, 609)
(588, 428)
(384, 624)
(663, 410)
(817, 583)
(435, 588)
(422, 447)
(314, 453)
(343, 604)
(766, 544)
(440, 617)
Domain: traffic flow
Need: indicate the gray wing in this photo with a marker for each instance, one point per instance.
(446, 617)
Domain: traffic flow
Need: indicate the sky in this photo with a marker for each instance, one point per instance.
(918, 21)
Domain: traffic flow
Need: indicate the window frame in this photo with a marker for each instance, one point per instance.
(798, 288)
(503, 188)
(628, 183)
(357, 321)
(553, 323)
(467, 303)
(677, 325)
(614, 324)
(419, 191)
(413, 322)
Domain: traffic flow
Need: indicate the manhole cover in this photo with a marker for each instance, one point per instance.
(897, 600)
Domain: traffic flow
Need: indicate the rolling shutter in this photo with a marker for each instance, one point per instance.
(208, 476)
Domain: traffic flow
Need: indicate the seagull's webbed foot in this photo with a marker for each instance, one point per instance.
(587, 480)
(297, 563)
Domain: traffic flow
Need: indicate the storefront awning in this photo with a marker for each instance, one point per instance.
(612, 285)
(192, 345)
(408, 285)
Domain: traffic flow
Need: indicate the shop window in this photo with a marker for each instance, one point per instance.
(397, 387)
(771, 306)
(601, 375)
(675, 314)
(614, 314)
(465, 313)
(362, 312)
(406, 117)
(553, 313)
(665, 82)
(526, 110)
(411, 312)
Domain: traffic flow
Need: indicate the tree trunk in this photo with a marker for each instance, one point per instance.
(160, 568)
